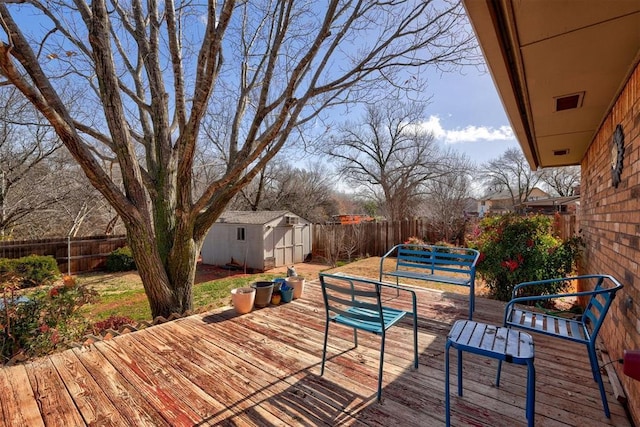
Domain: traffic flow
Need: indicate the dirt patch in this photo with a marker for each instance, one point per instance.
(207, 273)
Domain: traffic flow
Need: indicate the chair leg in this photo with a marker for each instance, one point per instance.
(415, 340)
(380, 369)
(459, 372)
(498, 374)
(324, 347)
(355, 337)
(598, 376)
(595, 366)
(531, 393)
(446, 384)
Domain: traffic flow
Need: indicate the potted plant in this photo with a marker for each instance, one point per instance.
(287, 292)
(263, 293)
(297, 283)
(276, 297)
(243, 299)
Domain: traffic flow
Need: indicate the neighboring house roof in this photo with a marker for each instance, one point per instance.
(251, 217)
(553, 201)
(505, 195)
(497, 195)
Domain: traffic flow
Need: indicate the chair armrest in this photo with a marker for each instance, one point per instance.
(561, 279)
(597, 291)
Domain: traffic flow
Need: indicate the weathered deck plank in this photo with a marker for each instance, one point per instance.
(19, 406)
(263, 369)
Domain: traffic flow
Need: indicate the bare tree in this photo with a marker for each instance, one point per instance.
(25, 145)
(280, 185)
(562, 180)
(133, 81)
(449, 200)
(511, 172)
(60, 202)
(389, 157)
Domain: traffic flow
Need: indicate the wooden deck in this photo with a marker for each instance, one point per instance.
(263, 369)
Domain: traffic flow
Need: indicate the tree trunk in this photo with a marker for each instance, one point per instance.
(168, 280)
(150, 267)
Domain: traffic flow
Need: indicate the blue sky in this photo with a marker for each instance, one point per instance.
(466, 113)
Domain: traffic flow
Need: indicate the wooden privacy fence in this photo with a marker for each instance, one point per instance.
(86, 253)
(567, 226)
(367, 238)
(348, 241)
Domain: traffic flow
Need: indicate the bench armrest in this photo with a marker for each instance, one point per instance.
(385, 256)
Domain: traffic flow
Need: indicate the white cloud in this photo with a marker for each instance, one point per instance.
(468, 133)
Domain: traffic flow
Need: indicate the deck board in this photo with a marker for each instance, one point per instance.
(263, 369)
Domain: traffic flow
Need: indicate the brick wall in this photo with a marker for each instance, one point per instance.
(610, 222)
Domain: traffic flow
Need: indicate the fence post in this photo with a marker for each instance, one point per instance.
(68, 255)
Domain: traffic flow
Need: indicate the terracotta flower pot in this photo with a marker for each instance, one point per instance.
(263, 293)
(297, 283)
(243, 299)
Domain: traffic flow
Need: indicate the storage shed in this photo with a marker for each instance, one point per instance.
(259, 240)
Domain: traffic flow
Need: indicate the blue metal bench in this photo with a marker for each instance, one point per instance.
(355, 302)
(441, 264)
(584, 329)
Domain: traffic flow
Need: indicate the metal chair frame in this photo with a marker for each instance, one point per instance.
(361, 309)
(583, 330)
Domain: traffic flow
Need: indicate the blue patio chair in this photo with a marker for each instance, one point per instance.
(582, 329)
(355, 302)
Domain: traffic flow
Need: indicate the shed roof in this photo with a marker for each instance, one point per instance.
(251, 217)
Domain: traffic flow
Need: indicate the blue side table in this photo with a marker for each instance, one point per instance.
(499, 343)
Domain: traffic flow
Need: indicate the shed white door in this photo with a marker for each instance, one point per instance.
(288, 245)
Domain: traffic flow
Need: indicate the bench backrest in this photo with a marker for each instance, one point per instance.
(437, 258)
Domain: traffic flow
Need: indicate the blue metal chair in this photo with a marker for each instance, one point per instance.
(584, 329)
(355, 302)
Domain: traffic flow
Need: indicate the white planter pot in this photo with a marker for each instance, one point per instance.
(243, 299)
(297, 283)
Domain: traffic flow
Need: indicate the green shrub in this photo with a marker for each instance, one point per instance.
(45, 322)
(6, 265)
(32, 270)
(515, 249)
(121, 260)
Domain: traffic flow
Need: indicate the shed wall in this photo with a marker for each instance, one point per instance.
(221, 246)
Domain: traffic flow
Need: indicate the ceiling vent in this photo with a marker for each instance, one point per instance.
(569, 102)
(562, 152)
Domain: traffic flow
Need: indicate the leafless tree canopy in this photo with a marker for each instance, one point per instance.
(132, 82)
(511, 172)
(282, 185)
(449, 200)
(563, 181)
(388, 156)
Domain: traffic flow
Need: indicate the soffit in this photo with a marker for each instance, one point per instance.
(538, 50)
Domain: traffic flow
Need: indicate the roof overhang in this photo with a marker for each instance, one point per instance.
(558, 66)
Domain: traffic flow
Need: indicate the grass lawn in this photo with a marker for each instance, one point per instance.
(122, 294)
